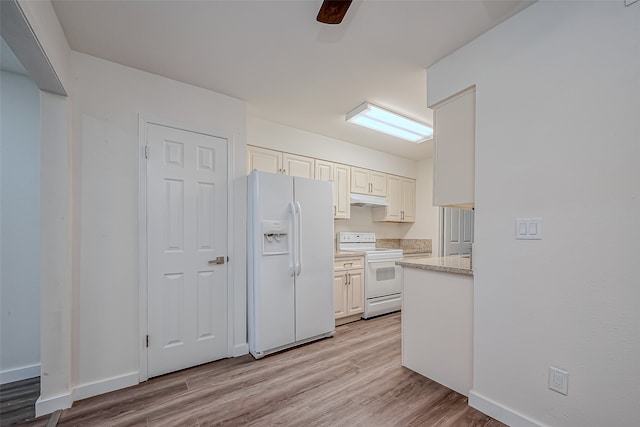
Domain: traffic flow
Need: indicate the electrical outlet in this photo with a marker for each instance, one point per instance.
(558, 380)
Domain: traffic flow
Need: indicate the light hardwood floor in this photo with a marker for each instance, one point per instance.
(352, 379)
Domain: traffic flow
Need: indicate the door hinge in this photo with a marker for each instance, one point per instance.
(227, 259)
(147, 341)
(146, 151)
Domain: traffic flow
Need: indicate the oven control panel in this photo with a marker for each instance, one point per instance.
(354, 237)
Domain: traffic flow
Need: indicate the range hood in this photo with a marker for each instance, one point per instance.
(367, 200)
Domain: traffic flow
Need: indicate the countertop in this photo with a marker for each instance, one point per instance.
(347, 254)
(407, 253)
(449, 264)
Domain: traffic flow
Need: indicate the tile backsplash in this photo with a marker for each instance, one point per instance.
(407, 245)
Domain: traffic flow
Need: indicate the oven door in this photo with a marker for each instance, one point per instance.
(382, 278)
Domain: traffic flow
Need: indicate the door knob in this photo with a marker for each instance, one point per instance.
(218, 260)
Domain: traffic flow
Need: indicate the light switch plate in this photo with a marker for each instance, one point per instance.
(529, 228)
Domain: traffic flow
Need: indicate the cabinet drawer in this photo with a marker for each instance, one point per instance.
(348, 263)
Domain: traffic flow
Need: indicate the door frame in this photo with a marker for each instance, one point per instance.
(143, 123)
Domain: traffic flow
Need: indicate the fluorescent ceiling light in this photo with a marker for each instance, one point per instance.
(385, 121)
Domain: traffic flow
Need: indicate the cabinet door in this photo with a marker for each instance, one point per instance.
(339, 295)
(325, 170)
(394, 197)
(454, 151)
(378, 183)
(301, 166)
(263, 159)
(341, 195)
(355, 299)
(393, 212)
(408, 200)
(359, 180)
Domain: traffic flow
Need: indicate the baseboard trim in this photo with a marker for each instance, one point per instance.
(240, 349)
(95, 388)
(500, 412)
(52, 404)
(19, 374)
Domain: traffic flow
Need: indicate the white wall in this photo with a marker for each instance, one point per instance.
(20, 225)
(557, 136)
(107, 99)
(429, 225)
(55, 260)
(264, 133)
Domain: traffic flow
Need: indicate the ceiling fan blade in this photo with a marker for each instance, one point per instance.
(332, 11)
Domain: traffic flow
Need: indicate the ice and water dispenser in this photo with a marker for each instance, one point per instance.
(275, 237)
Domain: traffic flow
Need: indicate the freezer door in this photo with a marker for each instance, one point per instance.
(271, 283)
(314, 283)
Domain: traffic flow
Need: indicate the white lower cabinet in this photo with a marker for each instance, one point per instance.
(348, 282)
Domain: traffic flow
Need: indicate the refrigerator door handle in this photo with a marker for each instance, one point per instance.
(292, 245)
(299, 239)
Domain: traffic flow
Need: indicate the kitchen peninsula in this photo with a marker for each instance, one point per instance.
(437, 319)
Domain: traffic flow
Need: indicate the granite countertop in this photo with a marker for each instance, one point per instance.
(449, 264)
(347, 254)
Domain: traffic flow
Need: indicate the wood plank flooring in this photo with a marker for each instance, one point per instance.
(352, 379)
(18, 400)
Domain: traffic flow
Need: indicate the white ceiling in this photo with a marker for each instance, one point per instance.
(289, 68)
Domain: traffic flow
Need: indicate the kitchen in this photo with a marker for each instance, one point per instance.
(515, 278)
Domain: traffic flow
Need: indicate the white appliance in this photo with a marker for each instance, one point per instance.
(290, 262)
(382, 277)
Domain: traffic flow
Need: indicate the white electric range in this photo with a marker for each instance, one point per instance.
(382, 277)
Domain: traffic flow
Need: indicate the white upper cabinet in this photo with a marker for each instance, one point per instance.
(401, 195)
(365, 181)
(342, 180)
(264, 160)
(408, 200)
(273, 161)
(294, 165)
(340, 176)
(454, 151)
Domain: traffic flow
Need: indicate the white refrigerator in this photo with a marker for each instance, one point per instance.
(290, 262)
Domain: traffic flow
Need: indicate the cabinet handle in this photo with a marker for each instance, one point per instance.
(348, 264)
(284, 171)
(348, 278)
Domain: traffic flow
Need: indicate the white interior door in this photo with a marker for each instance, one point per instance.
(186, 231)
(458, 231)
